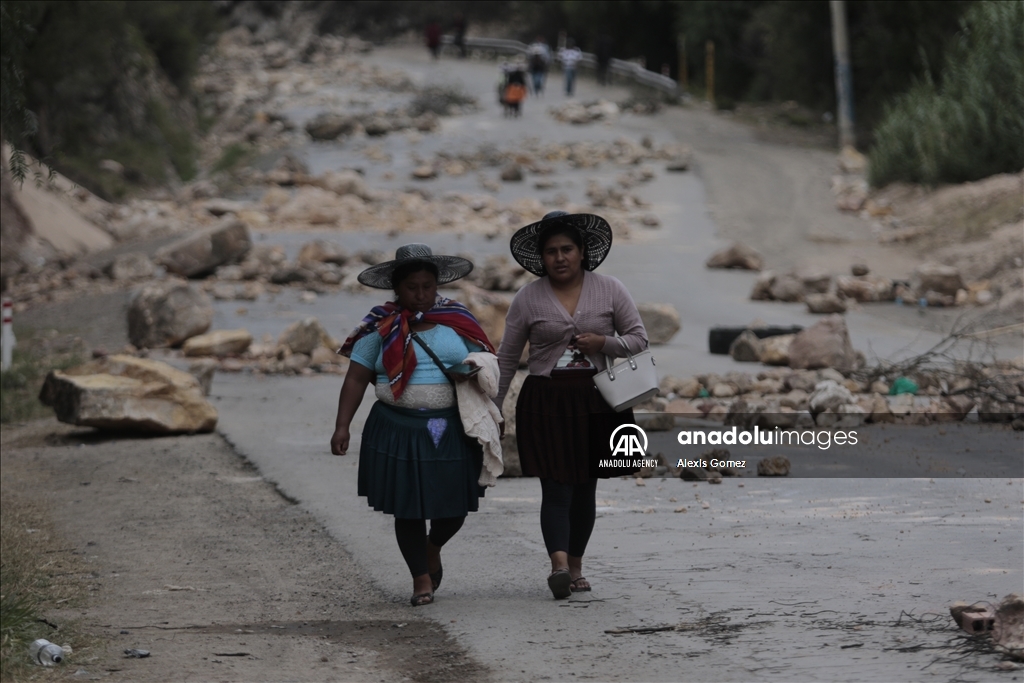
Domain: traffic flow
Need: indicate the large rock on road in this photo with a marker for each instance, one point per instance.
(202, 252)
(124, 393)
(166, 314)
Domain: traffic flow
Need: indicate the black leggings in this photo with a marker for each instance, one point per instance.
(567, 513)
(412, 539)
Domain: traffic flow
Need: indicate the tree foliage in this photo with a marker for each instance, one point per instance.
(87, 79)
(969, 123)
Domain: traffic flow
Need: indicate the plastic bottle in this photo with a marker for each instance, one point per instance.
(46, 653)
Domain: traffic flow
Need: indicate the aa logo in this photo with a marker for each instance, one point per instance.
(626, 441)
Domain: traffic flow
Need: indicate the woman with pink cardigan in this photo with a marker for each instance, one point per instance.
(570, 316)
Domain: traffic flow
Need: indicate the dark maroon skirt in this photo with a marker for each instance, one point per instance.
(556, 418)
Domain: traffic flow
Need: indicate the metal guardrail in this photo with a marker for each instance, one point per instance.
(618, 67)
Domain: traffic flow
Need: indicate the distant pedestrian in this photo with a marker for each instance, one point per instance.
(515, 90)
(539, 58)
(459, 28)
(434, 38)
(569, 56)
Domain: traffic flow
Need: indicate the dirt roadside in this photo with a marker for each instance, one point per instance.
(189, 554)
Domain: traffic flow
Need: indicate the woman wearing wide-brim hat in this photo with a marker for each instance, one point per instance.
(415, 461)
(570, 316)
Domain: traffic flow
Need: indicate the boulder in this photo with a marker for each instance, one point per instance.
(306, 335)
(826, 344)
(936, 277)
(329, 126)
(787, 287)
(125, 393)
(828, 394)
(322, 251)
(735, 256)
(166, 314)
(775, 350)
(662, 321)
(133, 266)
(776, 466)
(201, 252)
(424, 172)
(204, 370)
(762, 289)
(865, 289)
(1008, 626)
(746, 348)
(824, 303)
(345, 182)
(512, 173)
(218, 343)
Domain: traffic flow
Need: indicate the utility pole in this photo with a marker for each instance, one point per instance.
(709, 69)
(844, 80)
(681, 49)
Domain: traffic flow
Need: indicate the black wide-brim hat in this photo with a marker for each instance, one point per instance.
(596, 233)
(449, 268)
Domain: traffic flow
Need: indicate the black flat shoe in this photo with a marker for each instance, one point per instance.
(560, 583)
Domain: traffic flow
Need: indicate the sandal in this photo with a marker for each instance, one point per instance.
(421, 599)
(560, 583)
(579, 589)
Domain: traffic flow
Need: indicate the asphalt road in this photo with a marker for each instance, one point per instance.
(760, 579)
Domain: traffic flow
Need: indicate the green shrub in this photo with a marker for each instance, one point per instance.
(969, 126)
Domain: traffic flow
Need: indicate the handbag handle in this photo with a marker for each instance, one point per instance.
(608, 361)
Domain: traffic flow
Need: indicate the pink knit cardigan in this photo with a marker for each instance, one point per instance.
(605, 307)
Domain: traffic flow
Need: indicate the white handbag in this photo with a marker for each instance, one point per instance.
(631, 381)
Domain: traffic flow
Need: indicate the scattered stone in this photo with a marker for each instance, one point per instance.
(322, 251)
(746, 348)
(825, 303)
(826, 344)
(329, 126)
(1008, 626)
(306, 335)
(865, 289)
(218, 343)
(859, 270)
(200, 253)
(124, 393)
(661, 321)
(776, 466)
(133, 266)
(424, 172)
(512, 173)
(166, 314)
(735, 256)
(787, 287)
(939, 278)
(775, 350)
(203, 370)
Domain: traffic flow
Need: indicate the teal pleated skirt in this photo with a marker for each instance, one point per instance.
(419, 464)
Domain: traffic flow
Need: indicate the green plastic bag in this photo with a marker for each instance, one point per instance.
(903, 385)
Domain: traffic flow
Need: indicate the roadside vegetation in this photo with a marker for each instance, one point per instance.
(20, 384)
(39, 573)
(969, 124)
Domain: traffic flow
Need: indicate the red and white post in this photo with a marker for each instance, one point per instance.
(7, 339)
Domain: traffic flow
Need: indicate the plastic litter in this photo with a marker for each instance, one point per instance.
(903, 385)
(136, 654)
(45, 653)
